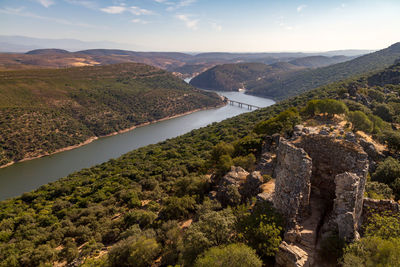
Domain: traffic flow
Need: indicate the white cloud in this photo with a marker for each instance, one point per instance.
(114, 9)
(121, 9)
(46, 3)
(140, 11)
(190, 23)
(139, 21)
(216, 26)
(301, 7)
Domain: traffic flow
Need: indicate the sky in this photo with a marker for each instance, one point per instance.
(210, 25)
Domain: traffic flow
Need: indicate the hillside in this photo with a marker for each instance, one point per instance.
(157, 205)
(318, 61)
(42, 111)
(232, 77)
(171, 61)
(291, 85)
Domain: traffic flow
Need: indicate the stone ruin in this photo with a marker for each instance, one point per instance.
(319, 188)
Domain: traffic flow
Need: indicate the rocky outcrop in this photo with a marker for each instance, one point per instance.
(320, 181)
(238, 185)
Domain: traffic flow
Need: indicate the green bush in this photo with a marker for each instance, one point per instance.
(260, 228)
(283, 123)
(360, 121)
(212, 229)
(248, 144)
(246, 162)
(328, 107)
(372, 251)
(378, 190)
(384, 111)
(387, 172)
(177, 208)
(142, 217)
(135, 251)
(392, 138)
(220, 150)
(233, 255)
(385, 226)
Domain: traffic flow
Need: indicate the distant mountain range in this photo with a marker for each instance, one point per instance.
(295, 76)
(182, 64)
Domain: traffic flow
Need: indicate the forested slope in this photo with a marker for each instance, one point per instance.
(231, 77)
(42, 111)
(284, 87)
(150, 206)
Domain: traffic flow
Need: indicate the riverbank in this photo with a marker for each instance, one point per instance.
(93, 138)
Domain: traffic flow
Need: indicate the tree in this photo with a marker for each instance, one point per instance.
(134, 251)
(387, 172)
(360, 121)
(213, 229)
(372, 251)
(177, 208)
(328, 107)
(283, 123)
(378, 190)
(260, 228)
(384, 111)
(233, 255)
(392, 139)
(220, 150)
(246, 162)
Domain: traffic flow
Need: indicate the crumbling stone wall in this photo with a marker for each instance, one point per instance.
(293, 183)
(318, 168)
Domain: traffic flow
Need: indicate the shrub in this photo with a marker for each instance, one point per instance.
(392, 138)
(246, 145)
(220, 150)
(383, 226)
(134, 251)
(328, 107)
(234, 255)
(378, 190)
(384, 111)
(246, 162)
(360, 121)
(372, 251)
(177, 208)
(283, 123)
(387, 172)
(213, 229)
(260, 228)
(142, 217)
(396, 188)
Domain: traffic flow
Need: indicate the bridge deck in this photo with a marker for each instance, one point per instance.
(240, 104)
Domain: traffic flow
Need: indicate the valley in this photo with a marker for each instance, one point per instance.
(46, 111)
(286, 79)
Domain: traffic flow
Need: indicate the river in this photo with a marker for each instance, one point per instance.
(29, 175)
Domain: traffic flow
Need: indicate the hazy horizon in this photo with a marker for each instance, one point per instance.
(197, 26)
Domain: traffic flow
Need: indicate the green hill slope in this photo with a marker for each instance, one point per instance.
(152, 202)
(42, 111)
(231, 77)
(291, 85)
